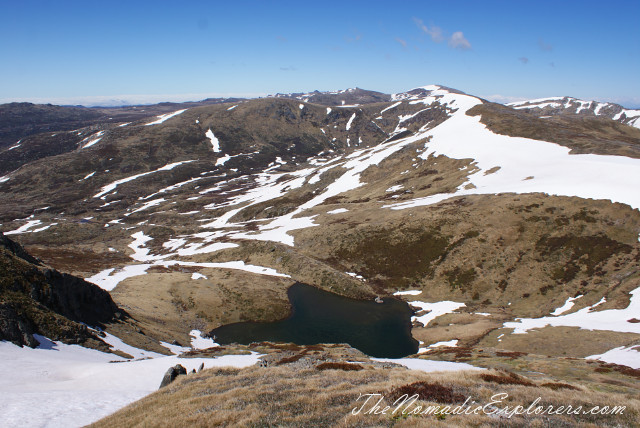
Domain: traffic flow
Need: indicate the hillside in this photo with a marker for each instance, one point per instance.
(38, 300)
(504, 230)
(572, 106)
(333, 386)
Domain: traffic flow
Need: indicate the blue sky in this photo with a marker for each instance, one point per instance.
(146, 51)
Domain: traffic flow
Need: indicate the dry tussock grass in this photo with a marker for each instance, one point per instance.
(289, 397)
(339, 366)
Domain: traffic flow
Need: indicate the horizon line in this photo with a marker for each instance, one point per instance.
(127, 100)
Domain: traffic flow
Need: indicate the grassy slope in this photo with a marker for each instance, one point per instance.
(533, 251)
(296, 390)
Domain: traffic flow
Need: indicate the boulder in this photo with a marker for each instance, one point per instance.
(172, 374)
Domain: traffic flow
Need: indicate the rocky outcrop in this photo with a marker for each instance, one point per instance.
(35, 299)
(16, 328)
(17, 250)
(76, 299)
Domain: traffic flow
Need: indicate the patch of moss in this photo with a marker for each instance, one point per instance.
(460, 278)
(565, 273)
(584, 215)
(589, 251)
(401, 255)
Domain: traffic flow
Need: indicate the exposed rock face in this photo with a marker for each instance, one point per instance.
(76, 298)
(38, 300)
(16, 328)
(172, 374)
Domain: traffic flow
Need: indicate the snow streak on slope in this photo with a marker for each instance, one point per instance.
(624, 356)
(353, 116)
(215, 143)
(434, 310)
(566, 307)
(92, 139)
(588, 319)
(573, 105)
(107, 281)
(271, 187)
(429, 366)
(164, 117)
(111, 187)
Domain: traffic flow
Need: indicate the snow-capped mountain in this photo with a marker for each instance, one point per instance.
(568, 105)
(345, 97)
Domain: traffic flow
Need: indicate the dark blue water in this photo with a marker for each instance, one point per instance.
(377, 329)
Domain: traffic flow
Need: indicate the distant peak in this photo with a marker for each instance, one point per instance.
(425, 91)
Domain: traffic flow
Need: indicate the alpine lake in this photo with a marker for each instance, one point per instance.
(378, 329)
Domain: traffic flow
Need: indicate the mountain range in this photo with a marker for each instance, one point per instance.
(511, 228)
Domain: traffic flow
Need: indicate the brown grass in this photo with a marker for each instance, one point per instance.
(427, 392)
(339, 366)
(506, 378)
(291, 359)
(512, 355)
(297, 397)
(559, 385)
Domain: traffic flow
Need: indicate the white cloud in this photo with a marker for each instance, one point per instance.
(434, 32)
(458, 41)
(503, 99)
(544, 46)
(130, 99)
(402, 42)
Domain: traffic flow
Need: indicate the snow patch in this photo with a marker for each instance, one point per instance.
(355, 275)
(148, 204)
(428, 366)
(435, 310)
(566, 307)
(68, 385)
(93, 139)
(391, 106)
(107, 281)
(193, 249)
(15, 146)
(222, 160)
(112, 186)
(237, 265)
(164, 117)
(338, 211)
(629, 357)
(587, 319)
(116, 344)
(24, 228)
(555, 171)
(215, 143)
(353, 116)
(199, 342)
(407, 293)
